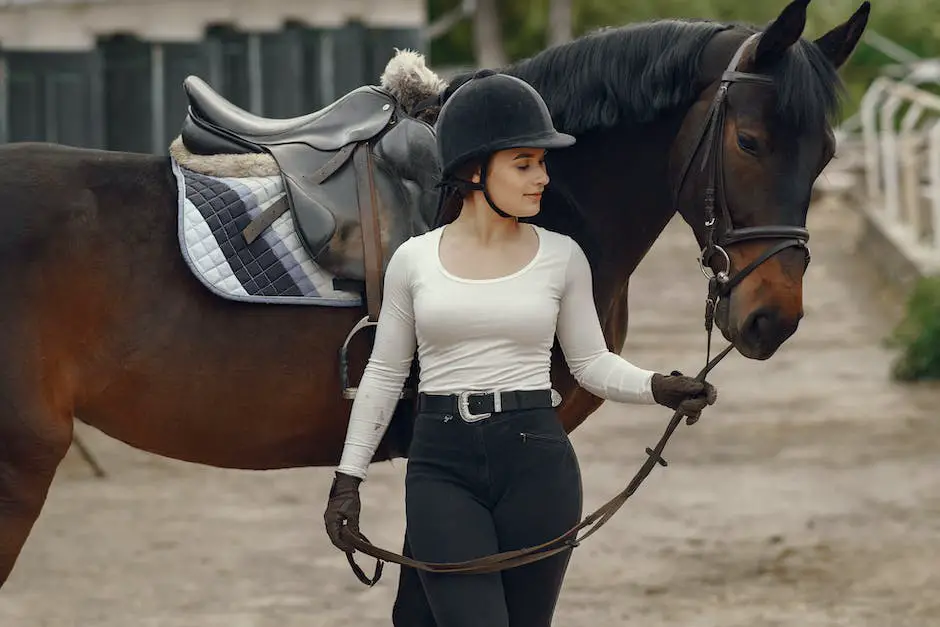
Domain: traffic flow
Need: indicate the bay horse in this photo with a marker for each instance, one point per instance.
(103, 321)
(645, 103)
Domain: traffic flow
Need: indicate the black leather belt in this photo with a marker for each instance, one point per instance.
(472, 406)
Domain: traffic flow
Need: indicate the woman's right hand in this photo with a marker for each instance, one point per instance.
(342, 509)
(685, 394)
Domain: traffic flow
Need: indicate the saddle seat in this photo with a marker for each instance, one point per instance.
(217, 126)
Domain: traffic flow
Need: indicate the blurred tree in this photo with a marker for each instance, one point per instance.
(488, 47)
(456, 46)
(560, 21)
(522, 24)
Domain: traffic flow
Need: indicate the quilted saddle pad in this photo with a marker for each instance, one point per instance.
(274, 268)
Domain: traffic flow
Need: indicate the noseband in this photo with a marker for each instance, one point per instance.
(720, 233)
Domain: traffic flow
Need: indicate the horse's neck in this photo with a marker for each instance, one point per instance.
(619, 180)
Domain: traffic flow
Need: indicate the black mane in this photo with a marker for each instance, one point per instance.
(628, 74)
(632, 74)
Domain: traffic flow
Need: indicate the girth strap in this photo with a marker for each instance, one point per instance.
(371, 233)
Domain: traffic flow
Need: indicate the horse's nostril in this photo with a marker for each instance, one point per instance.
(765, 330)
(762, 327)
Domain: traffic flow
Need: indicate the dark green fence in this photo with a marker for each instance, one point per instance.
(127, 94)
(54, 97)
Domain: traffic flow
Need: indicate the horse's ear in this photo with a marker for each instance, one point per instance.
(785, 31)
(839, 43)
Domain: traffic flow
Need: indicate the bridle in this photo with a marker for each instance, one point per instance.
(720, 285)
(720, 231)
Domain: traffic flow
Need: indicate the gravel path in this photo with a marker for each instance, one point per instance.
(808, 496)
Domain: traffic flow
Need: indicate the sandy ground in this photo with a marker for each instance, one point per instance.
(808, 496)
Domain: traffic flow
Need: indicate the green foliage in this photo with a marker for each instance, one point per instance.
(524, 25)
(914, 24)
(918, 334)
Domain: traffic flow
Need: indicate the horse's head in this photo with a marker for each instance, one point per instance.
(745, 161)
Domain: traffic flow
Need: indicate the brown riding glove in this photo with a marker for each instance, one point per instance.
(686, 394)
(342, 508)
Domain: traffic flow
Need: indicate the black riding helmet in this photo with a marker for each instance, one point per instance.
(488, 113)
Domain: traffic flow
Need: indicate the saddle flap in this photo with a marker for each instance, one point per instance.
(318, 206)
(313, 216)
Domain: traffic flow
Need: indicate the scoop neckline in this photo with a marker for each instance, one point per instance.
(498, 279)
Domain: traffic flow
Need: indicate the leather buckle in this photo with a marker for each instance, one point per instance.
(463, 406)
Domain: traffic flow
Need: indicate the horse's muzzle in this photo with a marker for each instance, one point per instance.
(763, 331)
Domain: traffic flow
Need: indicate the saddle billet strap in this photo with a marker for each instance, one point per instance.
(265, 219)
(369, 223)
(335, 163)
(519, 557)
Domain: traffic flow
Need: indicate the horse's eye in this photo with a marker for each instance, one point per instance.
(747, 143)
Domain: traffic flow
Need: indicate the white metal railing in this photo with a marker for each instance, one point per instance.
(901, 138)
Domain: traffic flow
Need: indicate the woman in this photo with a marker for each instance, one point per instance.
(481, 299)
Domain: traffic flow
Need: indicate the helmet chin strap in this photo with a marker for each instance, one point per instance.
(486, 193)
(464, 185)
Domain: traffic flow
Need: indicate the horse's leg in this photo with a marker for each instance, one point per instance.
(33, 440)
(88, 456)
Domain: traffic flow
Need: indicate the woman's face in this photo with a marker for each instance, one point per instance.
(516, 179)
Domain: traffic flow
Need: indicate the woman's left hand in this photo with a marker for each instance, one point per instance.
(342, 509)
(686, 394)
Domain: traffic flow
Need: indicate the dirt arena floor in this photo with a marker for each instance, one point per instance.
(808, 496)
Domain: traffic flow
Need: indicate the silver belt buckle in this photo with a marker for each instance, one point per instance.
(463, 406)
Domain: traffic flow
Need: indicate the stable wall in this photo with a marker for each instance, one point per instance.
(105, 80)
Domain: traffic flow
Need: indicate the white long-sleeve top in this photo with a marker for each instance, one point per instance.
(483, 335)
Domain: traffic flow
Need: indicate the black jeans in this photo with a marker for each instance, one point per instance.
(473, 489)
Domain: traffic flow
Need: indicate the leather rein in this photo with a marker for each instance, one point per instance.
(720, 285)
